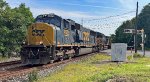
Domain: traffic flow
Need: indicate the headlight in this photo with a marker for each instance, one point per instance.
(23, 42)
(41, 42)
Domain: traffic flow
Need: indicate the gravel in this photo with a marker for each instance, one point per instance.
(42, 73)
(10, 67)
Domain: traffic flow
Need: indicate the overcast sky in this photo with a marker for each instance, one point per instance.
(87, 10)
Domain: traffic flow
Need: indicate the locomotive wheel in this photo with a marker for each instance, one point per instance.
(51, 61)
(61, 59)
(70, 57)
(77, 52)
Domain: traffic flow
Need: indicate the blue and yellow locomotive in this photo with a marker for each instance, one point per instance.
(53, 38)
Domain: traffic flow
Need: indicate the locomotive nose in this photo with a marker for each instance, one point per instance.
(40, 33)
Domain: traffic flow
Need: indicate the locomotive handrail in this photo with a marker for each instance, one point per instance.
(47, 40)
(36, 53)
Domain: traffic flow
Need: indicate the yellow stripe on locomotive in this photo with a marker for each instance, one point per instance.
(40, 33)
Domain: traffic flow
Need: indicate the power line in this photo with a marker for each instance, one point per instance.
(112, 16)
(106, 22)
(97, 6)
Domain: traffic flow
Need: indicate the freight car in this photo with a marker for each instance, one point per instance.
(53, 38)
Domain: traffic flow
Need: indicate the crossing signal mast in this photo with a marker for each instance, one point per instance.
(141, 32)
(132, 31)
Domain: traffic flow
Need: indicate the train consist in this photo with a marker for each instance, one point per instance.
(53, 38)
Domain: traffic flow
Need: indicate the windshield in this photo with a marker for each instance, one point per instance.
(50, 20)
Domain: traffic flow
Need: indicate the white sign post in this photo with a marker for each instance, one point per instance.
(118, 52)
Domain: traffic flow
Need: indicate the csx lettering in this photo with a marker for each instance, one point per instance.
(36, 32)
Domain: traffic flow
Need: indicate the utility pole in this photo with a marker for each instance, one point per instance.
(136, 25)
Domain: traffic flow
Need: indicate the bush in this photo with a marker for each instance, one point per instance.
(129, 58)
(33, 76)
(136, 55)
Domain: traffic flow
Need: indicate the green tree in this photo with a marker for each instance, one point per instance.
(120, 36)
(3, 29)
(13, 26)
(143, 23)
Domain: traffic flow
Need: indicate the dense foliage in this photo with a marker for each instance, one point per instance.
(13, 25)
(143, 23)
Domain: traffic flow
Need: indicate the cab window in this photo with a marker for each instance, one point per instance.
(50, 20)
(66, 24)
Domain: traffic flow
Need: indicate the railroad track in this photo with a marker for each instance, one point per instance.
(9, 63)
(23, 70)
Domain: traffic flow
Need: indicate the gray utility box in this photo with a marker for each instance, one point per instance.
(118, 52)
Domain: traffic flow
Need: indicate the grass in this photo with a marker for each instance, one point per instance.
(94, 70)
(3, 58)
(33, 76)
(6, 58)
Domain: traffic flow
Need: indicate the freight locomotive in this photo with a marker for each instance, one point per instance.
(53, 38)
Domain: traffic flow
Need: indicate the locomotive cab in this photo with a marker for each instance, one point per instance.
(41, 40)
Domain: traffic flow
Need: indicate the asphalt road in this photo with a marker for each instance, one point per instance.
(147, 53)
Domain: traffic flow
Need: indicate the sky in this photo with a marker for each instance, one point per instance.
(104, 16)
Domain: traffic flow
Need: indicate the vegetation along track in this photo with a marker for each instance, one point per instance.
(23, 70)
